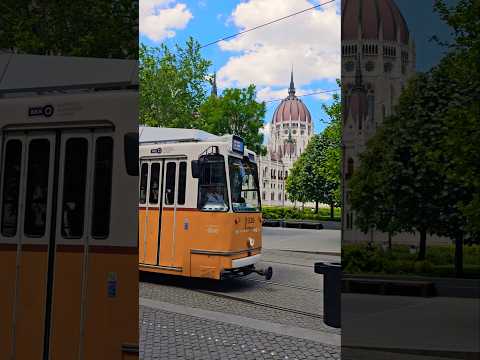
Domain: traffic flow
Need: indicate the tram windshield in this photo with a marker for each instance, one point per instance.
(212, 194)
(243, 185)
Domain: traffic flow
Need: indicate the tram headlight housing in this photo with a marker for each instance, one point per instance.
(251, 242)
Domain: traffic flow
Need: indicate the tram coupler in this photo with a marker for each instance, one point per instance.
(267, 272)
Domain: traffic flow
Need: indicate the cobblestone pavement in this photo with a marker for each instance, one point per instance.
(292, 299)
(165, 335)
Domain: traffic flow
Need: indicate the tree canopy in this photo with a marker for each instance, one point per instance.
(173, 85)
(91, 28)
(236, 111)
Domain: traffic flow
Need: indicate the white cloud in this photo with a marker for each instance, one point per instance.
(266, 131)
(160, 18)
(309, 41)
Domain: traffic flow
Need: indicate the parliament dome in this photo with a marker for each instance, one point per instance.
(291, 109)
(373, 20)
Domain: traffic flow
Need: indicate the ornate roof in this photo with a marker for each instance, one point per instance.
(291, 108)
(373, 20)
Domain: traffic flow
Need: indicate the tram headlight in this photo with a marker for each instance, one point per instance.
(251, 242)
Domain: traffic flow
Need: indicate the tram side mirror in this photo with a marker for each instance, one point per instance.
(131, 153)
(195, 169)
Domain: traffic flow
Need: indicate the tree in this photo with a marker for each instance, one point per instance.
(93, 28)
(296, 182)
(235, 112)
(330, 167)
(173, 85)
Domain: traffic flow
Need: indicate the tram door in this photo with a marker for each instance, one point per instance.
(46, 210)
(171, 246)
(151, 176)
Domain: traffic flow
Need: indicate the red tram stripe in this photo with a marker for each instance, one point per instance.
(34, 247)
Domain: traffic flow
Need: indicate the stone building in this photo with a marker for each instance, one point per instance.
(290, 130)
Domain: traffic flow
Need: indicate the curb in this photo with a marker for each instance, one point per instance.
(331, 253)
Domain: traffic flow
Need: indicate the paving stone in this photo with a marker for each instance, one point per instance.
(174, 340)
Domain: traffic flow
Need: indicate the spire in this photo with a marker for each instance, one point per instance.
(291, 89)
(213, 81)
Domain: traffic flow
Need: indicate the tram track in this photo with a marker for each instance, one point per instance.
(288, 285)
(258, 303)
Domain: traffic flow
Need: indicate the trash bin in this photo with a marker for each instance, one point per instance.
(332, 280)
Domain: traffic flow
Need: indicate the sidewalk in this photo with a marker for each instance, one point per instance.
(180, 332)
(303, 240)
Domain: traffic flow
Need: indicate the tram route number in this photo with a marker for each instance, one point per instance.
(249, 223)
(112, 284)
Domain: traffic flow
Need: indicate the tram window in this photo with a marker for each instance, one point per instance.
(37, 187)
(154, 183)
(170, 183)
(143, 183)
(182, 182)
(74, 181)
(102, 187)
(11, 186)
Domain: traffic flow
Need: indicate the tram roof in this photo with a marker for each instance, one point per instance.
(38, 73)
(164, 135)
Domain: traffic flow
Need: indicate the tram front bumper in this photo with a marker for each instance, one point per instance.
(245, 266)
(246, 261)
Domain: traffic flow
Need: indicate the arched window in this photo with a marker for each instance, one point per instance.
(272, 196)
(264, 196)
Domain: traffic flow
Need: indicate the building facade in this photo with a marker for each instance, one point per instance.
(291, 129)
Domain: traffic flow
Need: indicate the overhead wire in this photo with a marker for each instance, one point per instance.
(266, 24)
(309, 94)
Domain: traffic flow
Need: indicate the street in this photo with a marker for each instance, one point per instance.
(245, 318)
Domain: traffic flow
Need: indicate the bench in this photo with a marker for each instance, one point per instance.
(303, 224)
(388, 287)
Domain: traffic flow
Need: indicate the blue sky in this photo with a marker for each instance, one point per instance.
(310, 42)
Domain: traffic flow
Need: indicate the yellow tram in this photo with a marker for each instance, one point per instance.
(68, 228)
(199, 205)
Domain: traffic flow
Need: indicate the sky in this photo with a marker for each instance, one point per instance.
(423, 23)
(308, 42)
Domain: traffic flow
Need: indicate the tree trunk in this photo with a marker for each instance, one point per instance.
(316, 207)
(459, 255)
(389, 241)
(423, 245)
(332, 211)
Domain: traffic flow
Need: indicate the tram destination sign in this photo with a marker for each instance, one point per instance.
(238, 145)
(156, 151)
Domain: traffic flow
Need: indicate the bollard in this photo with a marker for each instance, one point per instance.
(332, 280)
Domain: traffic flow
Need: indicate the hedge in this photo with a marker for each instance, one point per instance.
(280, 213)
(373, 259)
